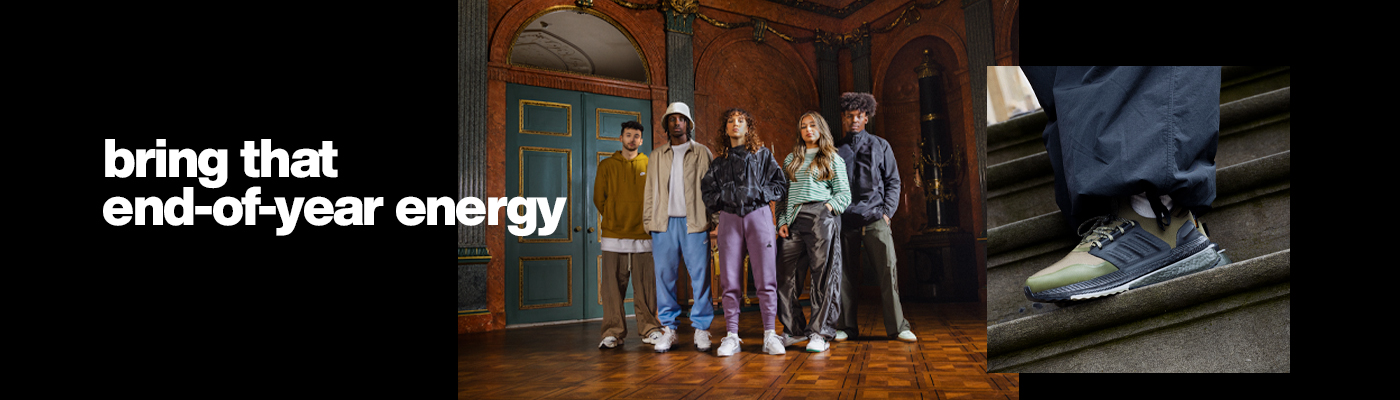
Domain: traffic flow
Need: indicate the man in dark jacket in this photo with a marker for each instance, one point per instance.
(874, 179)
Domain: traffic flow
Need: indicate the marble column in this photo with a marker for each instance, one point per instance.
(977, 15)
(680, 57)
(828, 86)
(860, 64)
(471, 150)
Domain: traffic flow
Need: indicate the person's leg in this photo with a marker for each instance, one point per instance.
(825, 253)
(847, 322)
(613, 278)
(665, 253)
(730, 236)
(792, 271)
(696, 250)
(1129, 130)
(644, 293)
(759, 239)
(879, 246)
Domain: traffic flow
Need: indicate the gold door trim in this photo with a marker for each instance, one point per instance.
(598, 122)
(568, 228)
(568, 110)
(520, 283)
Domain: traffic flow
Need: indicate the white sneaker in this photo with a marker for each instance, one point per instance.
(608, 343)
(772, 344)
(702, 340)
(907, 336)
(652, 338)
(817, 344)
(789, 340)
(663, 343)
(729, 345)
(840, 335)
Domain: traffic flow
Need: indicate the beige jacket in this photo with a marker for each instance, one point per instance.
(655, 205)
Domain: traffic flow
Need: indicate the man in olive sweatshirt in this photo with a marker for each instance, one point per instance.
(617, 193)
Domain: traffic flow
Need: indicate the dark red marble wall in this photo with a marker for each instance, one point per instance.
(774, 80)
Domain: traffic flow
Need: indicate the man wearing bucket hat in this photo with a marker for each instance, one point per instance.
(674, 212)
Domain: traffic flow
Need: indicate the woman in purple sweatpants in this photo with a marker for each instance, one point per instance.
(742, 181)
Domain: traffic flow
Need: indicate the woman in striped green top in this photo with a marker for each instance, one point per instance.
(810, 224)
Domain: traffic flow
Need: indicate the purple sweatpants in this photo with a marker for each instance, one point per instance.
(756, 234)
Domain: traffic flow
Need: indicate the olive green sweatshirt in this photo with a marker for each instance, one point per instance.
(618, 195)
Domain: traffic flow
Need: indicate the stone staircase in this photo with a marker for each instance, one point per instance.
(1231, 318)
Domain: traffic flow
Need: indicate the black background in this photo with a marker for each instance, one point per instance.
(202, 309)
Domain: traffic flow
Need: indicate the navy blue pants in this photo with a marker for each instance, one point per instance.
(1120, 131)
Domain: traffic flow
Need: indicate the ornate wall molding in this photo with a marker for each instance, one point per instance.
(539, 43)
(823, 9)
(565, 81)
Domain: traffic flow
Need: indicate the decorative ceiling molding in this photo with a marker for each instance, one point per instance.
(823, 9)
(563, 38)
(533, 43)
(909, 16)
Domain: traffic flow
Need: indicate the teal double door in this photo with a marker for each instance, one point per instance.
(554, 142)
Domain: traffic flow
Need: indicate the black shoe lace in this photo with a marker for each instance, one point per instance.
(1101, 229)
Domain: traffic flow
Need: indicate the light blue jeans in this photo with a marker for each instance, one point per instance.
(667, 248)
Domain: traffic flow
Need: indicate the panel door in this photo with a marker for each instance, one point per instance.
(545, 158)
(554, 141)
(604, 116)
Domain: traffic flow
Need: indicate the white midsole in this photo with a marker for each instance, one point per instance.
(1204, 257)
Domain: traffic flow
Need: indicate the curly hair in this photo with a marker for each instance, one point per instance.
(751, 140)
(858, 101)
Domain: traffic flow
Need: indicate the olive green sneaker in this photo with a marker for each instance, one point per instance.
(1125, 251)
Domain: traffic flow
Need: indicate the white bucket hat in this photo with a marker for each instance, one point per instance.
(682, 109)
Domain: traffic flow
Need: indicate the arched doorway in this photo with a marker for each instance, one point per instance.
(555, 139)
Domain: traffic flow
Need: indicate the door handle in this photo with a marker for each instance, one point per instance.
(578, 228)
(590, 229)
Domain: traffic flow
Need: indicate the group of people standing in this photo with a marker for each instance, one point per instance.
(832, 195)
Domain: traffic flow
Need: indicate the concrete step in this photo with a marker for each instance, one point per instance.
(1250, 218)
(1240, 82)
(1233, 318)
(1015, 138)
(1023, 187)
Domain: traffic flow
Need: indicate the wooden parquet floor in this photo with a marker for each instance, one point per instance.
(564, 362)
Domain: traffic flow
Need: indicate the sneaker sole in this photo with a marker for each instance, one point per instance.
(828, 347)
(778, 351)
(1202, 256)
